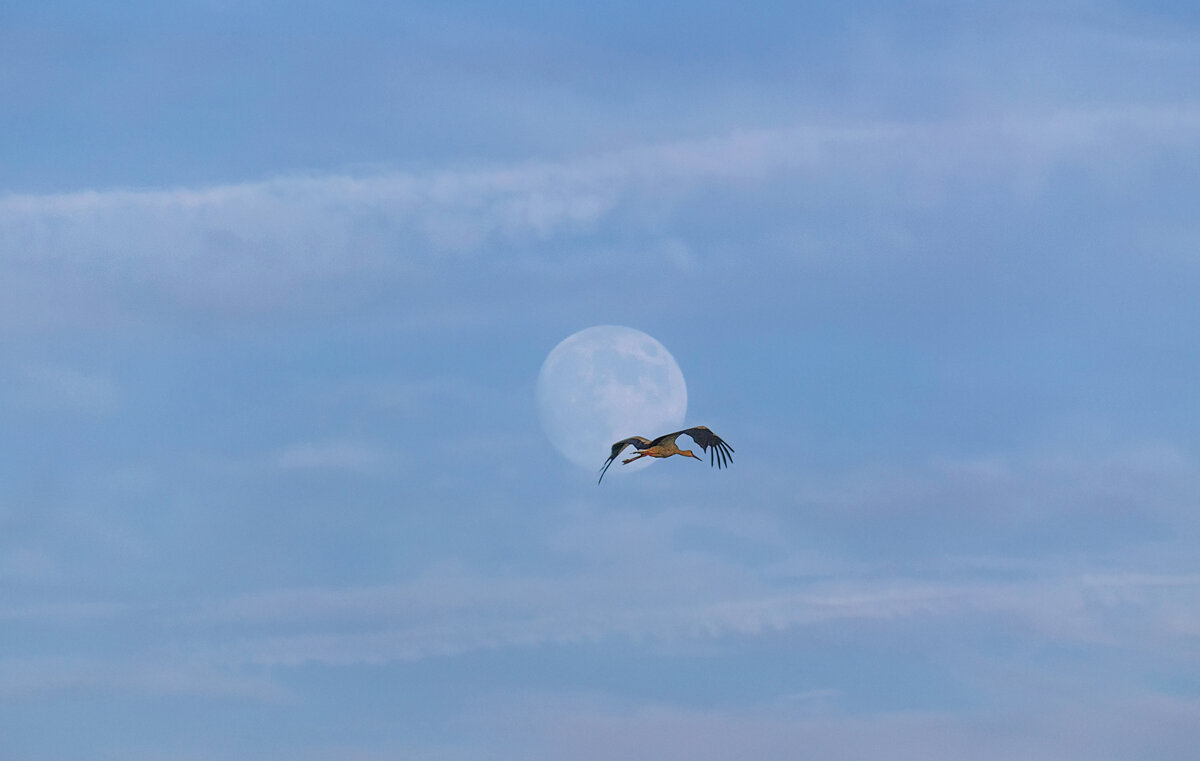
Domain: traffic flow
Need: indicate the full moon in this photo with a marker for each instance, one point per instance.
(604, 384)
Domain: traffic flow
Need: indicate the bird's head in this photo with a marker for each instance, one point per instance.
(689, 453)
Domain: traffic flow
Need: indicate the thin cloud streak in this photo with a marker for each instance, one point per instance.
(311, 221)
(306, 242)
(442, 617)
(438, 618)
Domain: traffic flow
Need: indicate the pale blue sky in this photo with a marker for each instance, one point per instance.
(276, 283)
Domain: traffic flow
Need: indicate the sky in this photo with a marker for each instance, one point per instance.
(276, 282)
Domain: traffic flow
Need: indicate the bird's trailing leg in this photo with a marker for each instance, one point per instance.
(638, 456)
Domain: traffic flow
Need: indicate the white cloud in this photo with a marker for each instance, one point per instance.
(258, 240)
(624, 579)
(685, 597)
(437, 243)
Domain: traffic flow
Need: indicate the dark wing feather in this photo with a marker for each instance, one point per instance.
(721, 453)
(619, 447)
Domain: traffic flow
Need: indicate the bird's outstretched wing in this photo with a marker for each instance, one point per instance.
(618, 448)
(721, 454)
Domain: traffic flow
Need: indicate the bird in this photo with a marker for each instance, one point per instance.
(665, 446)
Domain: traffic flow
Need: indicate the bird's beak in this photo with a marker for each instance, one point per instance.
(693, 455)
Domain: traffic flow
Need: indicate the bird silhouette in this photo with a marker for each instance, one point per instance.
(665, 446)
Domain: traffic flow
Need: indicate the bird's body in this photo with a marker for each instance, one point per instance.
(665, 446)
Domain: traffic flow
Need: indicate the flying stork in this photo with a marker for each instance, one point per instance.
(664, 446)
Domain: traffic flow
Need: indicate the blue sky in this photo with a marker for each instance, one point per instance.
(276, 283)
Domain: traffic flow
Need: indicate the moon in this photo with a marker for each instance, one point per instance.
(604, 384)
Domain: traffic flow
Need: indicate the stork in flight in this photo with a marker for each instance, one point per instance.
(664, 446)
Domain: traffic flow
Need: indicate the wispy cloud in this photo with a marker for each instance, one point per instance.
(258, 238)
(437, 242)
(274, 437)
(447, 614)
(683, 596)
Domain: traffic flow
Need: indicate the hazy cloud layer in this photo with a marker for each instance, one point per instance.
(254, 244)
(275, 286)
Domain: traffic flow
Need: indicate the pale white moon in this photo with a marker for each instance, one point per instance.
(604, 384)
